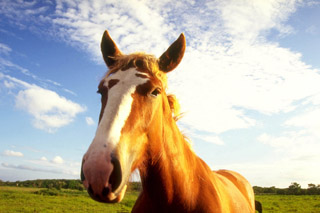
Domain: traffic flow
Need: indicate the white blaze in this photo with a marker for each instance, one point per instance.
(118, 107)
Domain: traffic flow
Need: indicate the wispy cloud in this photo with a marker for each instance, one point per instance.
(312, 30)
(8, 84)
(5, 49)
(90, 121)
(309, 120)
(22, 12)
(55, 165)
(210, 139)
(40, 169)
(9, 67)
(247, 20)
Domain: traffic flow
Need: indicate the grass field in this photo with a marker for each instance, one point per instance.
(290, 203)
(18, 199)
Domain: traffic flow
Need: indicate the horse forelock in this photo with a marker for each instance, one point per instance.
(142, 62)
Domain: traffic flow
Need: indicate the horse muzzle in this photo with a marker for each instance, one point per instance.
(102, 177)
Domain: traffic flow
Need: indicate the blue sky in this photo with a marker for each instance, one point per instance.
(249, 83)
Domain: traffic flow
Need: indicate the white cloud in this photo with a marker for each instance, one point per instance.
(12, 153)
(215, 91)
(90, 121)
(247, 19)
(43, 159)
(57, 160)
(291, 143)
(50, 110)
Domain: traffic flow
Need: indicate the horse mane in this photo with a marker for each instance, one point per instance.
(149, 64)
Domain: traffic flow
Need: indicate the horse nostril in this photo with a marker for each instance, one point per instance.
(116, 175)
(105, 191)
(90, 191)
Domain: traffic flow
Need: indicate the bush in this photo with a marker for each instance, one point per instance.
(49, 192)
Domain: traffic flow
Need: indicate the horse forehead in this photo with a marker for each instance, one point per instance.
(126, 78)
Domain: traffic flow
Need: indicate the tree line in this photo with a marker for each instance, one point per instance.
(293, 189)
(47, 183)
(60, 184)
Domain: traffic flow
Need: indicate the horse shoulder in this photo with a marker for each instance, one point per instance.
(237, 188)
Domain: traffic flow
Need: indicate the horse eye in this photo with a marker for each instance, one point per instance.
(156, 92)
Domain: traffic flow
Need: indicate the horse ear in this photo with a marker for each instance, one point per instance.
(109, 49)
(173, 55)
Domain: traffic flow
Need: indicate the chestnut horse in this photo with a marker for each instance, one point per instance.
(137, 130)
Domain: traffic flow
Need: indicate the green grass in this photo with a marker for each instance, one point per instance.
(290, 203)
(16, 199)
(19, 199)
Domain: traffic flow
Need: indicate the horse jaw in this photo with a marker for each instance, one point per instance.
(113, 198)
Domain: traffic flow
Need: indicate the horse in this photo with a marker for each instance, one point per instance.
(137, 130)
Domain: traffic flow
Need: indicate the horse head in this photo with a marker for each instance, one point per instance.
(133, 107)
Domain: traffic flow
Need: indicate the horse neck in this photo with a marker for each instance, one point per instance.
(172, 170)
